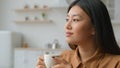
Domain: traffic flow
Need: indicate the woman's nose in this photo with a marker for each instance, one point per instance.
(68, 25)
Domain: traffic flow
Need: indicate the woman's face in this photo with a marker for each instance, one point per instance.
(79, 29)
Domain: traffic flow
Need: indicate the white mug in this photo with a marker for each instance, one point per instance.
(48, 59)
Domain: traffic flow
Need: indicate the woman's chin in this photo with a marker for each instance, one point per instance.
(69, 40)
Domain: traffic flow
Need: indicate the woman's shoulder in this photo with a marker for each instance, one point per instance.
(110, 61)
(114, 58)
(117, 57)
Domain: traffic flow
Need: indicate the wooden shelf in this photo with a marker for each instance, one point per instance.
(32, 10)
(34, 21)
(38, 9)
(59, 8)
(38, 49)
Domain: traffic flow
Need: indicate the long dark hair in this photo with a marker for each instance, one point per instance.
(99, 15)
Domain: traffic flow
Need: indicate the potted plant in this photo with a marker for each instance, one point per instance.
(43, 15)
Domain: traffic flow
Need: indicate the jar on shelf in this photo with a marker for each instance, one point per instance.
(26, 18)
(26, 6)
(25, 45)
(36, 6)
(45, 6)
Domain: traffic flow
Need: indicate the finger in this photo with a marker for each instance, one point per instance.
(64, 62)
(56, 66)
(40, 66)
(37, 66)
(62, 66)
(41, 58)
(58, 59)
(40, 61)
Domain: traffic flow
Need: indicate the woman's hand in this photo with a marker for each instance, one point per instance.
(60, 63)
(40, 63)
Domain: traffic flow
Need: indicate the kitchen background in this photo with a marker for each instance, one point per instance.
(28, 28)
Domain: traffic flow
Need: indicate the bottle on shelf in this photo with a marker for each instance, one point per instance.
(25, 45)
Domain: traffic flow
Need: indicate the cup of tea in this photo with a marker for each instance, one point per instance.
(48, 60)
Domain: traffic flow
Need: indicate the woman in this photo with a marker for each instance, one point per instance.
(90, 35)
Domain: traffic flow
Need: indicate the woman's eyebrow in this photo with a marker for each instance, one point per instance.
(73, 15)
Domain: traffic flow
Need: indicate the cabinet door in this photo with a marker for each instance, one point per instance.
(32, 57)
(19, 59)
(28, 58)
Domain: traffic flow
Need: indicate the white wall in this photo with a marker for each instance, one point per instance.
(117, 8)
(36, 35)
(116, 22)
(2, 16)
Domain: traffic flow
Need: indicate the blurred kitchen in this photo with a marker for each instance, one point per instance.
(30, 28)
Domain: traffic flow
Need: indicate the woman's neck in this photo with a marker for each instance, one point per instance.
(87, 51)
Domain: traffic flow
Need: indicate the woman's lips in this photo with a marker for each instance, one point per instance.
(68, 34)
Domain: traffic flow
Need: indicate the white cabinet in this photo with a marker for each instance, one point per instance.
(8, 41)
(27, 57)
(19, 58)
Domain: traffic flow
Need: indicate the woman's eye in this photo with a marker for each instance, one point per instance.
(75, 20)
(67, 20)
